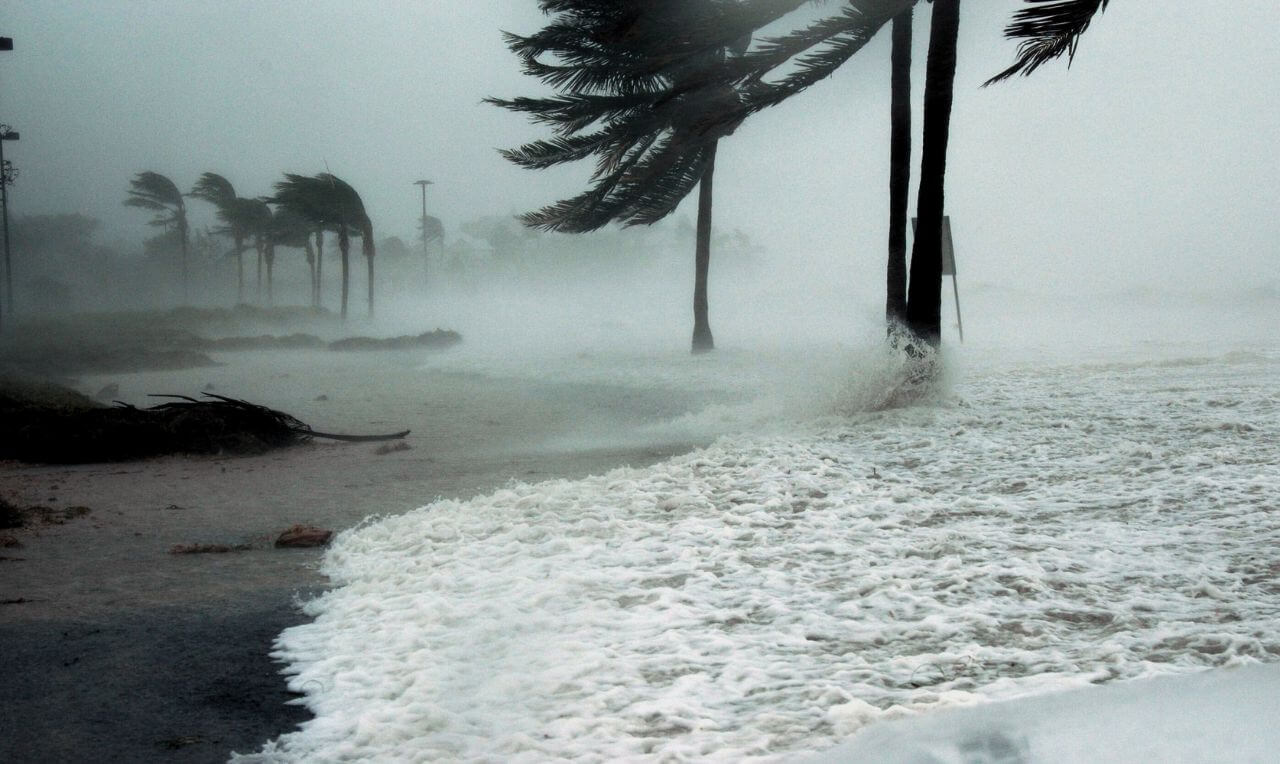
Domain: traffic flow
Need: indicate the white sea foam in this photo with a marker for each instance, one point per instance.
(1033, 529)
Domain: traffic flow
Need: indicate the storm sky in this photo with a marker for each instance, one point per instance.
(1151, 161)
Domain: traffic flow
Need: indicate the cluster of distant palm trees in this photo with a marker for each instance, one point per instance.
(302, 207)
(649, 87)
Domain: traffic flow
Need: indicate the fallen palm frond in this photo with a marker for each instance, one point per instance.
(182, 425)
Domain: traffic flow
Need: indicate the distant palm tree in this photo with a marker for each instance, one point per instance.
(306, 197)
(153, 191)
(287, 229)
(352, 214)
(433, 231)
(255, 215)
(233, 214)
(328, 202)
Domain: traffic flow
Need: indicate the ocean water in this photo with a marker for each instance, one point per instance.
(1048, 519)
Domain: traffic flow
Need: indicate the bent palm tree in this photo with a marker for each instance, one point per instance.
(287, 229)
(328, 202)
(307, 197)
(635, 94)
(153, 191)
(219, 192)
(351, 214)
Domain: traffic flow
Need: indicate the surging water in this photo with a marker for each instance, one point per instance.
(1034, 529)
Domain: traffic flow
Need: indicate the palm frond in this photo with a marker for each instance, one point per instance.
(213, 188)
(1048, 29)
(153, 191)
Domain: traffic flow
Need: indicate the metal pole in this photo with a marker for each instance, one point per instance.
(426, 268)
(4, 209)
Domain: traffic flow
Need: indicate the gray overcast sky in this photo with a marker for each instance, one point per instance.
(1153, 157)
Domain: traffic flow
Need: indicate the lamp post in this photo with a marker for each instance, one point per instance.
(7, 175)
(425, 267)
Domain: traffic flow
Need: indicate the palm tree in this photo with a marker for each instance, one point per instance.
(307, 198)
(287, 229)
(255, 216)
(924, 291)
(219, 192)
(327, 201)
(635, 93)
(899, 172)
(153, 191)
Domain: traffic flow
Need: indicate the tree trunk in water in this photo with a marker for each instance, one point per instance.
(924, 297)
(311, 265)
(899, 174)
(344, 248)
(702, 339)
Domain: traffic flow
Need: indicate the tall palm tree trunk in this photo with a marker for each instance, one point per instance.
(270, 257)
(258, 246)
(239, 270)
(311, 265)
(319, 266)
(344, 248)
(924, 297)
(899, 174)
(702, 339)
(369, 252)
(182, 231)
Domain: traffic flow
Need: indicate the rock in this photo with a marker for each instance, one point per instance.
(300, 536)
(108, 392)
(322, 397)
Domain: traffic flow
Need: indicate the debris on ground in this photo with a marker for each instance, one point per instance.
(302, 536)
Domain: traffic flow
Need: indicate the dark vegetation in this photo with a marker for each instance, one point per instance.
(181, 338)
(51, 424)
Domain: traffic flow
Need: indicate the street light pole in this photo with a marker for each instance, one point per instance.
(425, 267)
(6, 43)
(7, 176)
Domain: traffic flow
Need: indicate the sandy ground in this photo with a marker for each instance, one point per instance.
(116, 650)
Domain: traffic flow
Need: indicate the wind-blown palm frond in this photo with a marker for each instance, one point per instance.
(213, 188)
(1047, 30)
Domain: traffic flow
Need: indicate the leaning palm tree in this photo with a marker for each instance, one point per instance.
(237, 223)
(351, 215)
(255, 216)
(634, 93)
(308, 198)
(287, 229)
(153, 191)
(328, 202)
